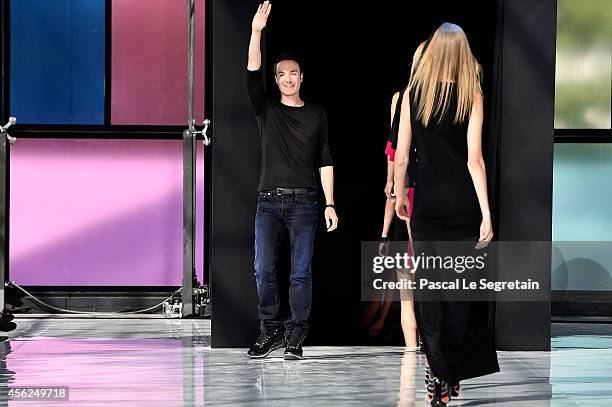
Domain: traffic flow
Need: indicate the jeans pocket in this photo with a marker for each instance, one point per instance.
(307, 198)
(263, 197)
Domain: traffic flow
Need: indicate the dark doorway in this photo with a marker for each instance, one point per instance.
(355, 58)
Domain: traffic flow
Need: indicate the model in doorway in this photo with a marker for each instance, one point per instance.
(401, 235)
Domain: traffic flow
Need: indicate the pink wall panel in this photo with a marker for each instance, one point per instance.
(99, 212)
(149, 62)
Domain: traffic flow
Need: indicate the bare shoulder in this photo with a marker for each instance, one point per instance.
(406, 104)
(395, 98)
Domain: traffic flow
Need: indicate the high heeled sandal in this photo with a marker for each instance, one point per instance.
(438, 393)
(428, 375)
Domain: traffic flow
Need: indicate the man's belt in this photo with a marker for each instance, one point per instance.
(289, 191)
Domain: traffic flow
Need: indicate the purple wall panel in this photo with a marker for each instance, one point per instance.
(99, 212)
(149, 62)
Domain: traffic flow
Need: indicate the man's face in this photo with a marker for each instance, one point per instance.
(288, 77)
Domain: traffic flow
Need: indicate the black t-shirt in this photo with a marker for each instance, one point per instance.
(293, 139)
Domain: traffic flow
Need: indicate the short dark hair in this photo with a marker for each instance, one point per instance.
(288, 57)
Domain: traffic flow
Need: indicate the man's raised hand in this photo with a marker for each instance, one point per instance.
(261, 17)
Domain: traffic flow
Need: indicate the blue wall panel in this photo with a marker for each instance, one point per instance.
(582, 220)
(57, 61)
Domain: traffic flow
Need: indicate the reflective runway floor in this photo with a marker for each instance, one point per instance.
(159, 362)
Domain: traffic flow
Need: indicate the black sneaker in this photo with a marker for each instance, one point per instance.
(6, 317)
(269, 340)
(8, 327)
(293, 351)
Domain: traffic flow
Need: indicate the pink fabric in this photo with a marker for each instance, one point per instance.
(411, 200)
(390, 151)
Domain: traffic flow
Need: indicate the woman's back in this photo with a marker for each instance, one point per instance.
(456, 334)
(444, 190)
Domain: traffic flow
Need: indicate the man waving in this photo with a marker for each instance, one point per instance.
(294, 145)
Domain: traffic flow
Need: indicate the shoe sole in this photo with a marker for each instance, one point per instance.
(266, 354)
(291, 356)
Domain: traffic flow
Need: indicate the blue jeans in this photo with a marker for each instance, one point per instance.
(297, 213)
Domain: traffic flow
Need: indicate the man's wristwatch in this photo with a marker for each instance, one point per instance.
(330, 206)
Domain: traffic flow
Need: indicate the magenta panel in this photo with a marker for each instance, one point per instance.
(99, 212)
(149, 62)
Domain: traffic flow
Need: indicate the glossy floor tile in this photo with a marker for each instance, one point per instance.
(159, 362)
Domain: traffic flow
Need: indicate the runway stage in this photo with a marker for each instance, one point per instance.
(161, 362)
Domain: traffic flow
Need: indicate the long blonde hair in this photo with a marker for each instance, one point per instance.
(416, 57)
(445, 61)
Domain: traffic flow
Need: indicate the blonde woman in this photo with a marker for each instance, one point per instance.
(442, 119)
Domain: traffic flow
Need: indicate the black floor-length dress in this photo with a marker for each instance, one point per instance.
(456, 335)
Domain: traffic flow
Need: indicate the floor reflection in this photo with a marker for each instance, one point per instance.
(157, 371)
(169, 363)
(408, 379)
(7, 376)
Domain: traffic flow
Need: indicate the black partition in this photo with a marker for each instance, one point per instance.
(233, 178)
(525, 128)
